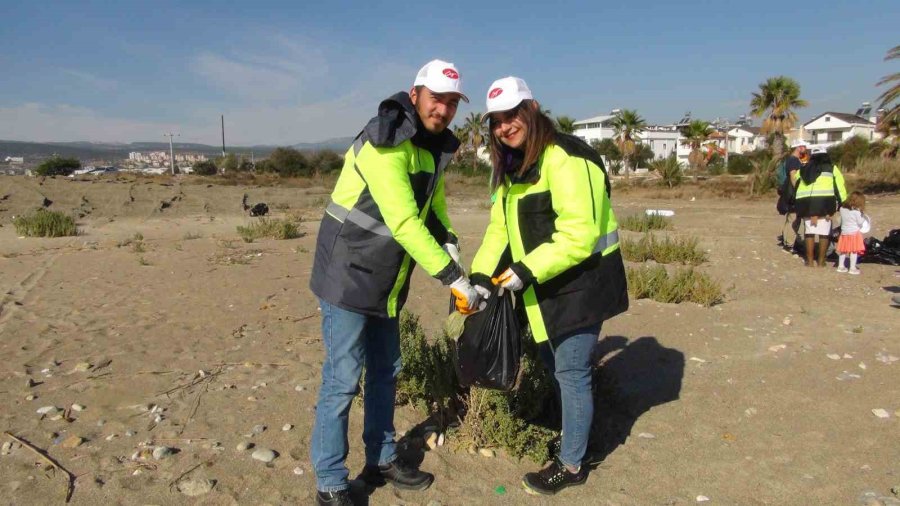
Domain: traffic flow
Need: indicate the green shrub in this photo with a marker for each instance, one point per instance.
(739, 164)
(271, 228)
(876, 175)
(669, 170)
(686, 285)
(763, 179)
(645, 222)
(849, 153)
(683, 250)
(428, 378)
(716, 165)
(57, 166)
(205, 168)
(44, 223)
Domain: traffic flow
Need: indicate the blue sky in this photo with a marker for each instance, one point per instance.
(301, 71)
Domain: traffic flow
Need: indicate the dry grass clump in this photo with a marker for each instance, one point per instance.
(44, 223)
(685, 285)
(644, 223)
(877, 175)
(683, 250)
(269, 228)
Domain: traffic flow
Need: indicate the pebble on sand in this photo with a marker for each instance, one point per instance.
(244, 446)
(162, 452)
(833, 356)
(264, 455)
(486, 452)
(286, 427)
(702, 498)
(196, 487)
(259, 429)
(77, 407)
(298, 471)
(72, 442)
(881, 413)
(46, 410)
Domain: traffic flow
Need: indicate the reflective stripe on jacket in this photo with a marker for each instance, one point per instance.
(560, 233)
(387, 213)
(823, 196)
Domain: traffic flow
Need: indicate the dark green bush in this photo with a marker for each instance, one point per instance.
(57, 166)
(205, 168)
(739, 164)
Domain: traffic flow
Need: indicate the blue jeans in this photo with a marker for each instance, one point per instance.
(351, 341)
(569, 361)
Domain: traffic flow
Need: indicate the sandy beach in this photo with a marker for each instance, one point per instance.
(198, 342)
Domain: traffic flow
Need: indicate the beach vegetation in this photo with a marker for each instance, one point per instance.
(57, 166)
(45, 223)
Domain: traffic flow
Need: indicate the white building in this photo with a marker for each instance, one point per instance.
(596, 128)
(834, 127)
(662, 139)
(743, 139)
(14, 159)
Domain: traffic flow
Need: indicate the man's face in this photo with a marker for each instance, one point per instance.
(802, 153)
(436, 110)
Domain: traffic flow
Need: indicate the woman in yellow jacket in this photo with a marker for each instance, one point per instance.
(553, 240)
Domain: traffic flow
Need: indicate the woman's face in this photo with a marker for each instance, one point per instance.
(509, 128)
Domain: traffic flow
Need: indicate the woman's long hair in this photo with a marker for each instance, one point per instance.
(540, 133)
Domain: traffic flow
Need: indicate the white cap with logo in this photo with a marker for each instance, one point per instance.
(506, 93)
(440, 77)
(799, 143)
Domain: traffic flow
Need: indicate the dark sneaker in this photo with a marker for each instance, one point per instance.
(553, 478)
(592, 458)
(399, 474)
(339, 498)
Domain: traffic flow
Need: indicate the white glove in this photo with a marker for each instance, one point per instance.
(467, 298)
(509, 280)
(453, 251)
(484, 293)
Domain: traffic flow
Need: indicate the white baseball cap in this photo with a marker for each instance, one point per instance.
(506, 93)
(440, 77)
(799, 143)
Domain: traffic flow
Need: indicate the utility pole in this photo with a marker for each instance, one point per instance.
(223, 135)
(170, 135)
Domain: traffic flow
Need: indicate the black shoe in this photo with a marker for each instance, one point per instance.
(553, 478)
(399, 474)
(339, 498)
(592, 458)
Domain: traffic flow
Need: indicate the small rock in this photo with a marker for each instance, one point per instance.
(646, 435)
(881, 413)
(299, 388)
(55, 418)
(264, 455)
(30, 397)
(847, 355)
(702, 498)
(77, 407)
(110, 437)
(698, 360)
(286, 427)
(472, 450)
(193, 488)
(129, 433)
(777, 347)
(244, 446)
(486, 452)
(258, 429)
(46, 410)
(441, 440)
(786, 321)
(896, 490)
(298, 471)
(82, 367)
(30, 383)
(862, 366)
(431, 440)
(162, 452)
(833, 356)
(6, 448)
(72, 442)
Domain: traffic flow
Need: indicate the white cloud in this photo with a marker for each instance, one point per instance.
(91, 80)
(42, 122)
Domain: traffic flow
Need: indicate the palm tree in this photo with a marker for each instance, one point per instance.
(892, 94)
(462, 134)
(627, 124)
(475, 129)
(695, 134)
(777, 97)
(565, 124)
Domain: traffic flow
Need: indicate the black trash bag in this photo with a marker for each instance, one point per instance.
(490, 348)
(882, 252)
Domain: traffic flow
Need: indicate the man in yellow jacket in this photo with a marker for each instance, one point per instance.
(387, 213)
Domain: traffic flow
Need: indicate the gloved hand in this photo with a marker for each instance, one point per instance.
(467, 298)
(453, 251)
(509, 280)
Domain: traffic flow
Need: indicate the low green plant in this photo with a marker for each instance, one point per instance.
(683, 250)
(143, 261)
(644, 223)
(685, 285)
(45, 223)
(428, 378)
(669, 170)
(269, 228)
(190, 236)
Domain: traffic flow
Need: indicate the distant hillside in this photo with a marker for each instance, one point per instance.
(100, 150)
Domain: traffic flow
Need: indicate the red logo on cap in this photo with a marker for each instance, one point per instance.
(495, 93)
(452, 74)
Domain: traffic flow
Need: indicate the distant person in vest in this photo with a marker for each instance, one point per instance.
(387, 213)
(820, 190)
(553, 240)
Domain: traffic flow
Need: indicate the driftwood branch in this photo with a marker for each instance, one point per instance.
(70, 478)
